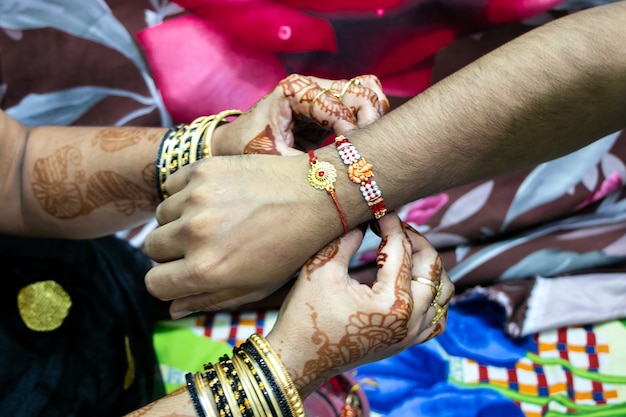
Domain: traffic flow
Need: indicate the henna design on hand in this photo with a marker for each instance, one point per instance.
(436, 331)
(57, 197)
(65, 200)
(436, 268)
(321, 258)
(365, 334)
(304, 91)
(263, 143)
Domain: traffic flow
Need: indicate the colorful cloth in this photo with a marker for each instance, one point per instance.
(475, 369)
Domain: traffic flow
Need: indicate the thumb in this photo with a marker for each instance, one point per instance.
(334, 257)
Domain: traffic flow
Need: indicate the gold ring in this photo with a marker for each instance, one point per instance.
(440, 311)
(320, 94)
(344, 90)
(425, 281)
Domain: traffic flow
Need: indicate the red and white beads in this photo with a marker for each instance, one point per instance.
(360, 172)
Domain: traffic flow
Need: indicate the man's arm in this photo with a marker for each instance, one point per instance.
(547, 93)
(542, 95)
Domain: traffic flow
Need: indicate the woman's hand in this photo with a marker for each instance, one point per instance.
(331, 323)
(299, 113)
(202, 273)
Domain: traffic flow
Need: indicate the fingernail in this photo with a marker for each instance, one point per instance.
(180, 314)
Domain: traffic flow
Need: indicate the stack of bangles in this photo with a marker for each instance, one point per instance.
(252, 383)
(322, 175)
(185, 144)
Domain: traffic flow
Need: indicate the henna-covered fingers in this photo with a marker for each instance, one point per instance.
(432, 287)
(309, 99)
(362, 94)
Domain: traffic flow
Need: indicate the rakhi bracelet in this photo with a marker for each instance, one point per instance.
(322, 176)
(185, 144)
(360, 172)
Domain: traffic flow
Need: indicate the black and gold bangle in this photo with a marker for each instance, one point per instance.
(236, 387)
(272, 383)
(185, 144)
(268, 401)
(231, 403)
(191, 387)
(218, 391)
(257, 402)
(278, 370)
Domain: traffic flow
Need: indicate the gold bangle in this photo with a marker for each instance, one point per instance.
(185, 144)
(253, 400)
(288, 387)
(231, 402)
(263, 385)
(210, 129)
(203, 395)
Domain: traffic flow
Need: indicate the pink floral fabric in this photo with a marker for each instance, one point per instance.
(210, 54)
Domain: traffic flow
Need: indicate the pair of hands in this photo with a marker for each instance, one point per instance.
(233, 243)
(225, 214)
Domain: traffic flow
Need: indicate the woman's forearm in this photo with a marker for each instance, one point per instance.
(87, 181)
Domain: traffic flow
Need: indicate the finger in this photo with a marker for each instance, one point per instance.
(341, 87)
(426, 260)
(170, 209)
(428, 273)
(364, 104)
(329, 111)
(348, 245)
(158, 244)
(373, 83)
(335, 255)
(175, 279)
(394, 256)
(221, 300)
(178, 180)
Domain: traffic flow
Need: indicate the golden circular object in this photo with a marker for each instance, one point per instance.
(43, 305)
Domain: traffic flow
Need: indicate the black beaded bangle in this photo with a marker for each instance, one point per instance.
(257, 378)
(236, 386)
(193, 392)
(159, 161)
(282, 400)
(218, 390)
